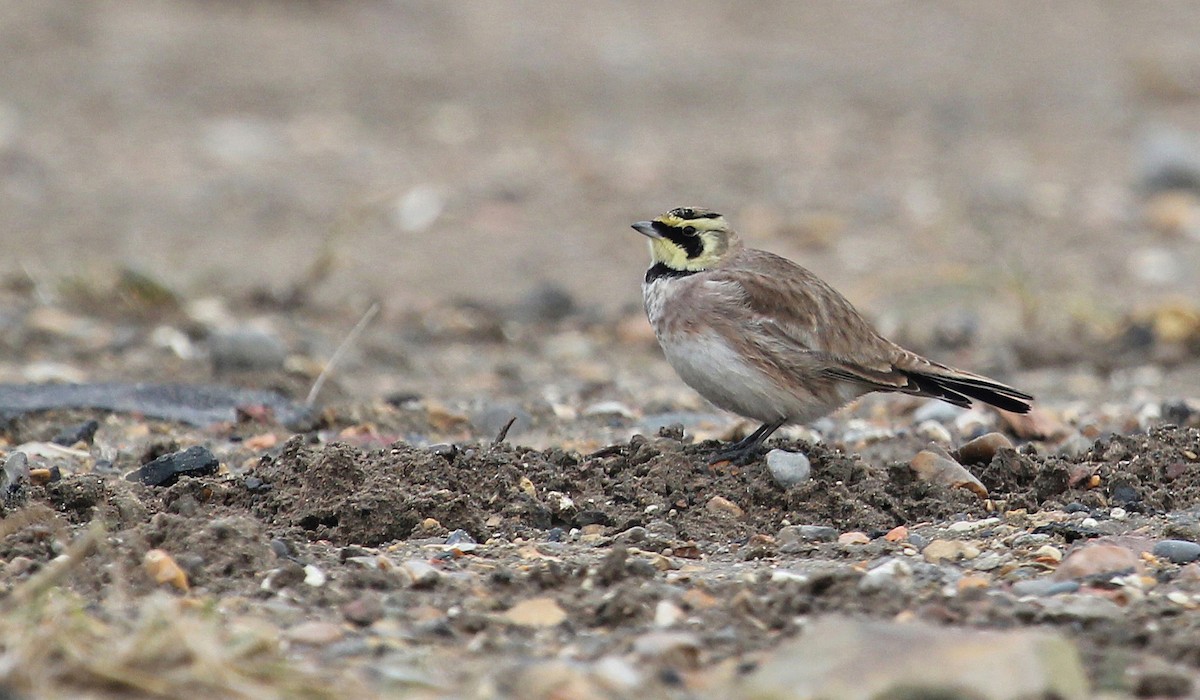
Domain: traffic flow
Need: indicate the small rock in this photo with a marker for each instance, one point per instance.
(558, 502)
(853, 538)
(246, 349)
(609, 408)
(788, 468)
(313, 576)
(939, 551)
(1177, 551)
(163, 569)
(932, 467)
(1082, 608)
(696, 599)
(85, 432)
(893, 574)
(897, 534)
(1044, 587)
(536, 612)
(790, 534)
(364, 610)
(934, 431)
(972, 525)
(418, 208)
(982, 449)
(617, 674)
(1097, 559)
(667, 614)
(720, 504)
(939, 411)
(461, 540)
(16, 474)
(421, 573)
(673, 649)
(166, 470)
(974, 422)
(1048, 554)
(1037, 424)
(315, 633)
(852, 659)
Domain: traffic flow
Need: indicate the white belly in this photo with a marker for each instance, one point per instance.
(711, 366)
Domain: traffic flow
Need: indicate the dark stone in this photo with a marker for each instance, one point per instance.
(459, 537)
(85, 432)
(1177, 551)
(166, 470)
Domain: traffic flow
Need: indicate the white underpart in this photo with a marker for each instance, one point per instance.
(719, 373)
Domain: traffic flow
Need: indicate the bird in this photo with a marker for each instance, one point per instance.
(758, 335)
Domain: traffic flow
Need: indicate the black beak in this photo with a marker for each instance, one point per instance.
(646, 228)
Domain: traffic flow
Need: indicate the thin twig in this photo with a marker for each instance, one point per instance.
(504, 431)
(351, 337)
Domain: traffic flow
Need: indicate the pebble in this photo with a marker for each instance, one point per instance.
(246, 349)
(611, 409)
(783, 576)
(667, 614)
(1048, 553)
(935, 431)
(982, 449)
(16, 473)
(616, 674)
(1082, 608)
(892, 575)
(315, 633)
(790, 534)
(720, 504)
(938, 411)
(789, 468)
(163, 569)
(973, 422)
(987, 562)
(972, 525)
(1096, 559)
(675, 649)
(313, 576)
(364, 610)
(1074, 446)
(939, 551)
(897, 534)
(1044, 587)
(846, 658)
(1177, 551)
(854, 537)
(418, 208)
(536, 612)
(85, 432)
(932, 467)
(421, 573)
(166, 470)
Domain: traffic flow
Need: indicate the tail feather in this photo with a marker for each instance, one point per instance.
(959, 389)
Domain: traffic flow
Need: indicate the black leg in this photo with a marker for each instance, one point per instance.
(745, 450)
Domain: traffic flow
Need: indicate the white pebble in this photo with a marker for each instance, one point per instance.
(788, 468)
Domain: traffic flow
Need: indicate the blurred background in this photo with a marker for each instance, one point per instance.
(1023, 165)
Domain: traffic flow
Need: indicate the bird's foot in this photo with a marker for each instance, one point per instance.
(737, 454)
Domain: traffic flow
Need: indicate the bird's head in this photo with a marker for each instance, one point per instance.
(688, 238)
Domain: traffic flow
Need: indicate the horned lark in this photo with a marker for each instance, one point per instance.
(762, 337)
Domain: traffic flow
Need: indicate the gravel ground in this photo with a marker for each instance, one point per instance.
(502, 490)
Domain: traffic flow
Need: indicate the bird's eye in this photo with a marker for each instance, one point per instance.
(689, 230)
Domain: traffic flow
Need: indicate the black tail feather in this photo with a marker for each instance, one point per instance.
(960, 390)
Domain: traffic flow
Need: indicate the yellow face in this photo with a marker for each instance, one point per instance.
(688, 238)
